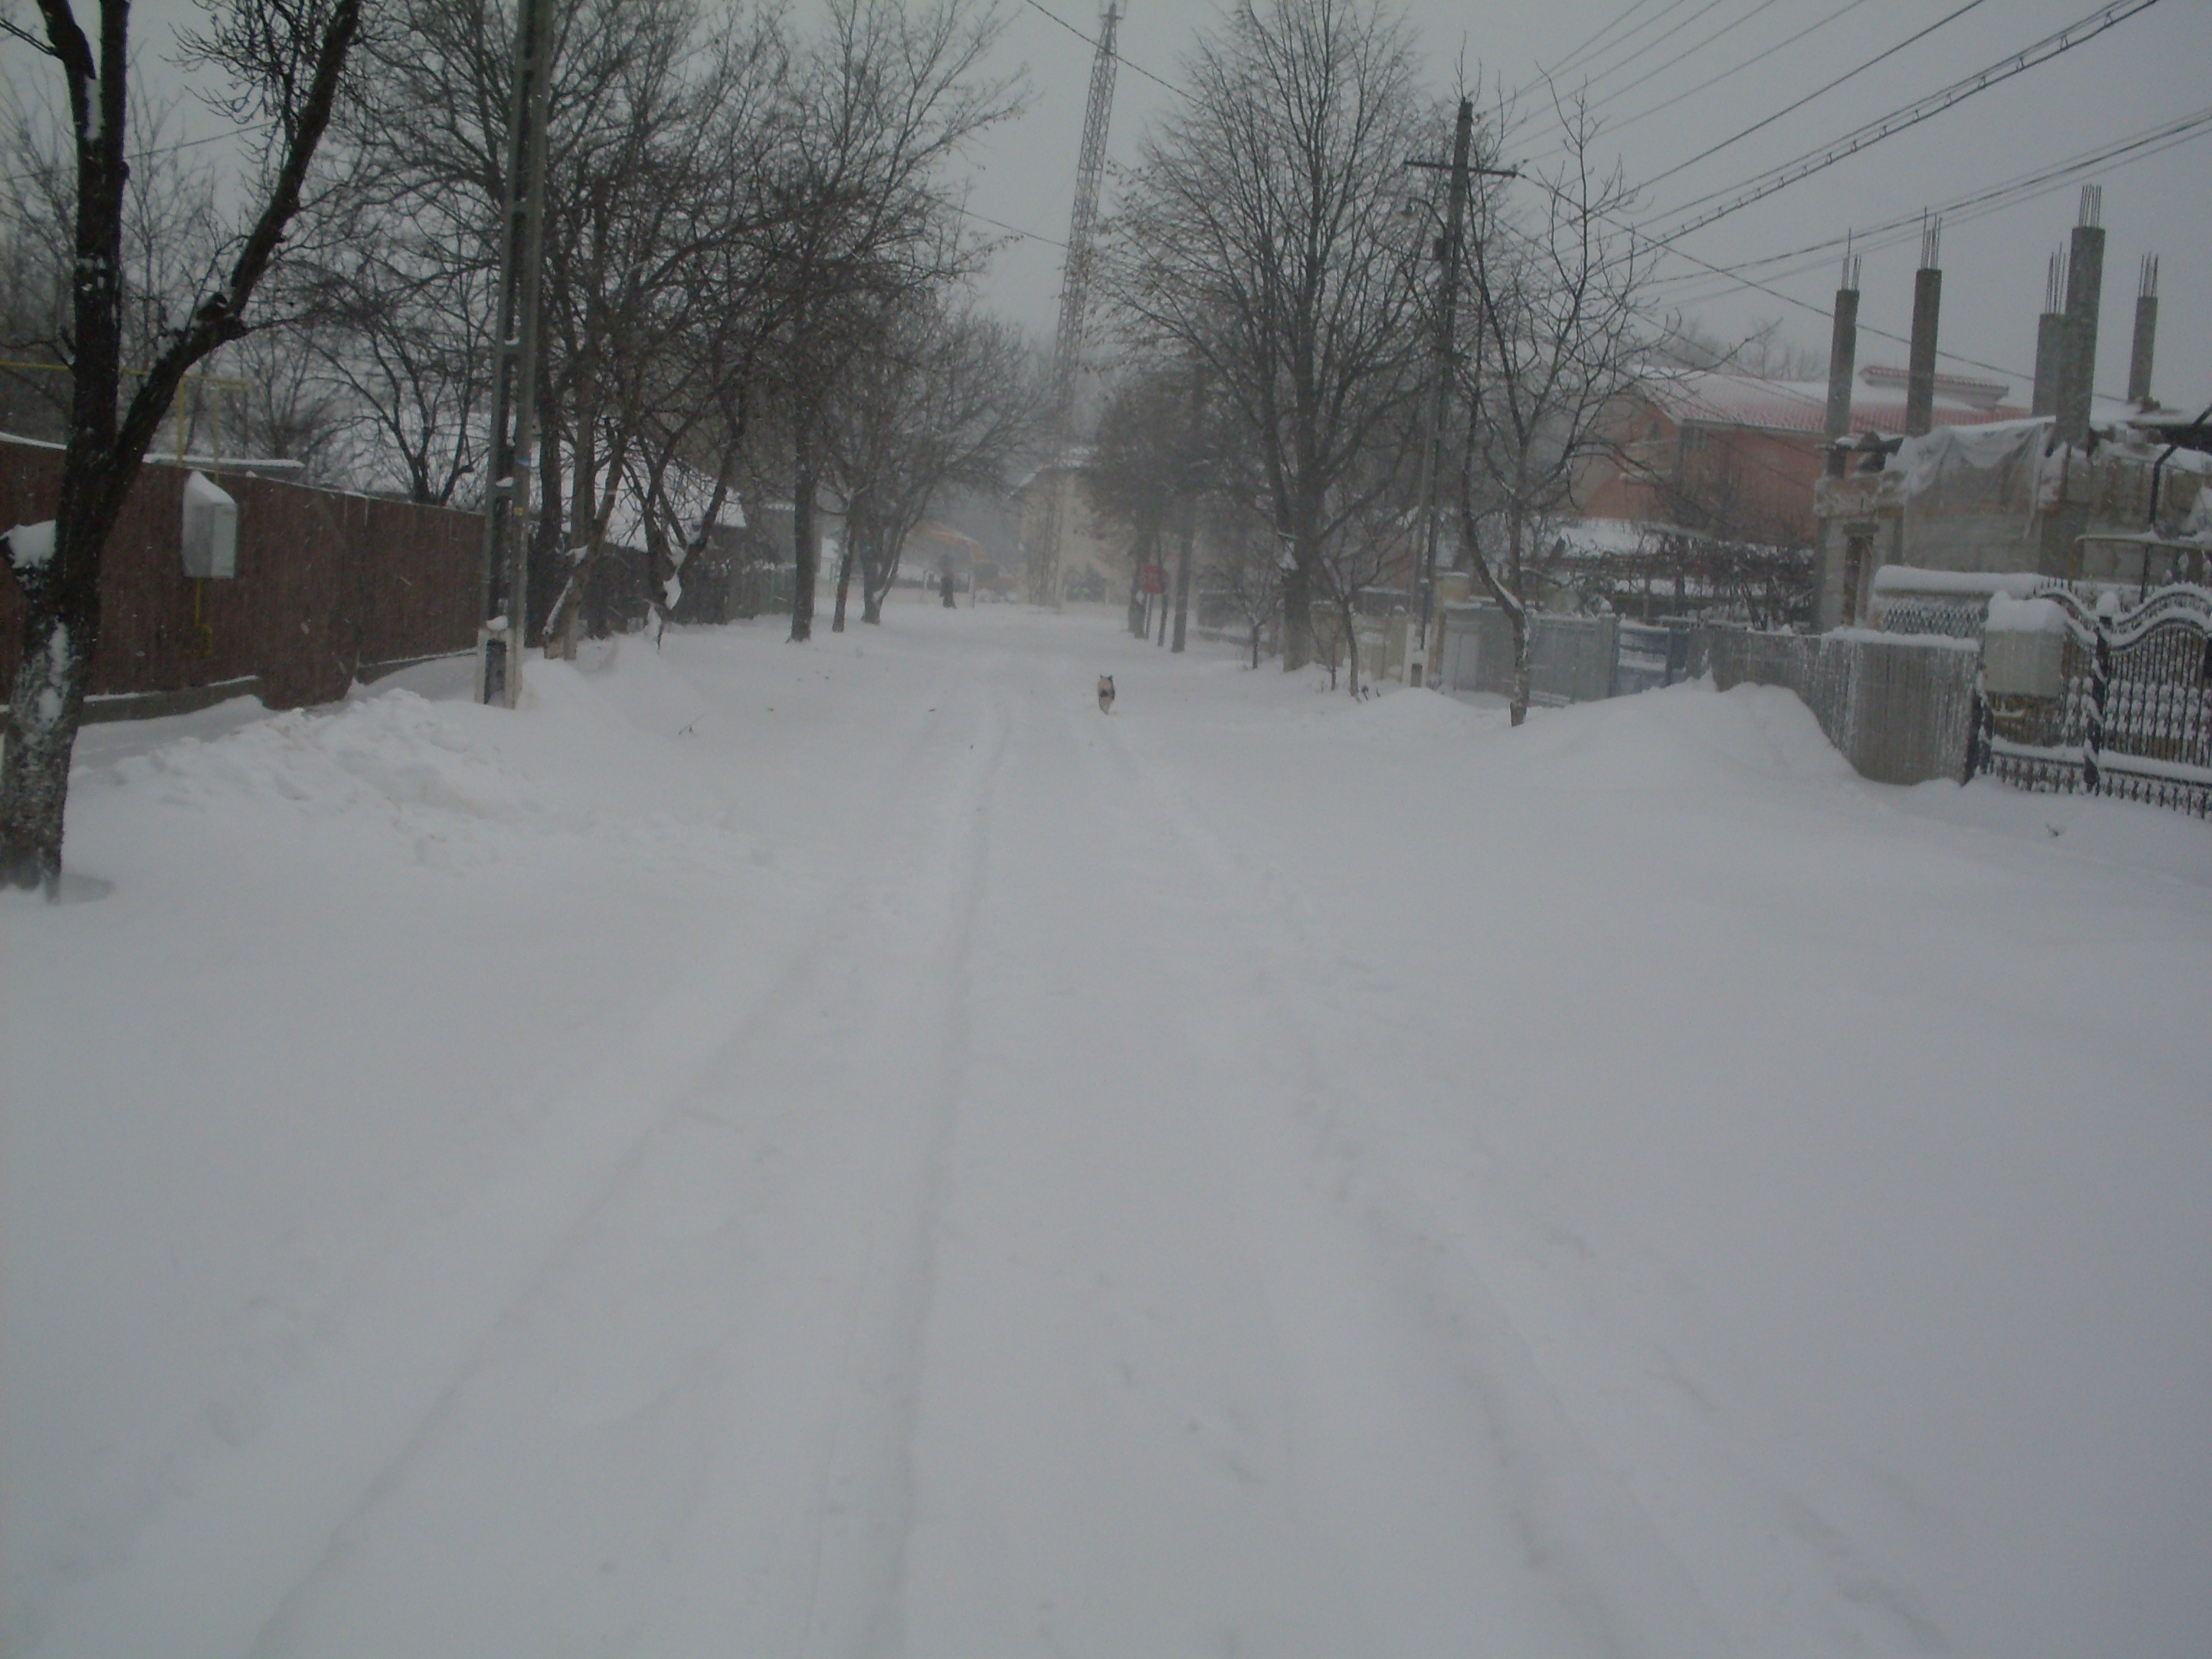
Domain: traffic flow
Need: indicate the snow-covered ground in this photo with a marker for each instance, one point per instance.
(839, 1150)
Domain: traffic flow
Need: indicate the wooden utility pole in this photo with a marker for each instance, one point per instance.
(1447, 252)
(513, 450)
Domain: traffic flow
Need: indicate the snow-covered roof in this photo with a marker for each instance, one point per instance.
(1629, 537)
(1610, 535)
(1711, 398)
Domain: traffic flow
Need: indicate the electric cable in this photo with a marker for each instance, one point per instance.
(2024, 187)
(1591, 45)
(1848, 6)
(1761, 186)
(1861, 68)
(1699, 45)
(1091, 42)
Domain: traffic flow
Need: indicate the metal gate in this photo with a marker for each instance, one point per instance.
(2132, 716)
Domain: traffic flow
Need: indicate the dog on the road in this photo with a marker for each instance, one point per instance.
(1105, 694)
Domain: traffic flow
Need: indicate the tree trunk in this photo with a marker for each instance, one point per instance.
(844, 581)
(1256, 627)
(1297, 620)
(1515, 572)
(1297, 601)
(1522, 677)
(548, 533)
(61, 582)
(61, 626)
(875, 582)
(563, 620)
(805, 553)
(1182, 571)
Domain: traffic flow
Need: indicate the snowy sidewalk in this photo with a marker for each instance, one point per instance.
(845, 1150)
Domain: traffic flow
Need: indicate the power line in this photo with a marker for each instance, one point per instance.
(1910, 115)
(1011, 230)
(1596, 104)
(1636, 232)
(1591, 48)
(1648, 46)
(1850, 6)
(1738, 137)
(1092, 43)
(2024, 187)
(1619, 18)
(149, 154)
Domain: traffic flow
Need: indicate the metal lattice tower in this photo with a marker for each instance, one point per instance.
(1074, 304)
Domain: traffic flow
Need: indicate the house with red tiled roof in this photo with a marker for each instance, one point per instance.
(1735, 456)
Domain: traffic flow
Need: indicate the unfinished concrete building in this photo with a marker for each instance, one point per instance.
(2087, 489)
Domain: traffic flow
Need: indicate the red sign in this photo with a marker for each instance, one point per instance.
(1152, 579)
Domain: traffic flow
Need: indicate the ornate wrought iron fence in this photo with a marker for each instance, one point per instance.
(2133, 717)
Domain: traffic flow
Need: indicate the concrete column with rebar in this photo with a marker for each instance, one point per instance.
(1927, 304)
(2051, 338)
(1843, 356)
(2146, 340)
(2085, 282)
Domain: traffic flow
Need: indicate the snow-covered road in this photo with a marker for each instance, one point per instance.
(846, 1151)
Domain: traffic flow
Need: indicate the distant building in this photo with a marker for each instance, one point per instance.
(1951, 510)
(1737, 457)
(1095, 553)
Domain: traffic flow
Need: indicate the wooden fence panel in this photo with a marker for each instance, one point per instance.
(328, 584)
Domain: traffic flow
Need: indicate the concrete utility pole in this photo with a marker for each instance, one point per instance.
(513, 450)
(1074, 303)
(1447, 252)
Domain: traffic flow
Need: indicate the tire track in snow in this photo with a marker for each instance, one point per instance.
(775, 1314)
(897, 1282)
(1100, 1443)
(246, 1548)
(1579, 1537)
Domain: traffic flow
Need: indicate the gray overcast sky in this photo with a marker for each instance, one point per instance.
(2153, 67)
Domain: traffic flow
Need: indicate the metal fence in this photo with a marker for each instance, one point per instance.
(2130, 712)
(1571, 658)
(1902, 710)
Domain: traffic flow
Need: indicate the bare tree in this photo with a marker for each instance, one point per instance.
(1765, 352)
(287, 58)
(1552, 345)
(171, 241)
(1379, 553)
(946, 400)
(1141, 464)
(882, 101)
(632, 255)
(283, 404)
(403, 335)
(1249, 570)
(1261, 236)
